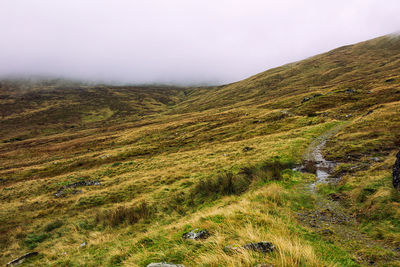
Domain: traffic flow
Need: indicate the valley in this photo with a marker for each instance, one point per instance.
(100, 175)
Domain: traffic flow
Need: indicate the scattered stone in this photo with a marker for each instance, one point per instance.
(195, 234)
(396, 172)
(83, 245)
(263, 246)
(348, 115)
(76, 192)
(305, 99)
(60, 192)
(369, 112)
(247, 148)
(319, 218)
(376, 159)
(105, 156)
(21, 259)
(164, 264)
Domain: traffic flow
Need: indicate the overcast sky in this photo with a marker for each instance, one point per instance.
(179, 41)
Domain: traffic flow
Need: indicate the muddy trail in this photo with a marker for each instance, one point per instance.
(330, 219)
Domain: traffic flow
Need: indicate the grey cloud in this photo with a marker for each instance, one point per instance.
(179, 41)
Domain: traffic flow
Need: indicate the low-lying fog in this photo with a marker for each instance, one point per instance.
(179, 41)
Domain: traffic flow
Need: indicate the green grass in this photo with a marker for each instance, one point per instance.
(218, 158)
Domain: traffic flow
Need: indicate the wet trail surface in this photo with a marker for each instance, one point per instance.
(332, 220)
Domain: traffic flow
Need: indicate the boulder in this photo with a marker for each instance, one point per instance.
(262, 246)
(396, 172)
(164, 264)
(196, 234)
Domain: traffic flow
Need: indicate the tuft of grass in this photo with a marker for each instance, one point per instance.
(123, 214)
(53, 225)
(229, 183)
(31, 241)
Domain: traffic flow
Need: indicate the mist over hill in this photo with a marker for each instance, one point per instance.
(179, 42)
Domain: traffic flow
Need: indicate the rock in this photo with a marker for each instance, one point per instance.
(369, 112)
(396, 172)
(60, 192)
(376, 159)
(74, 192)
(195, 234)
(262, 246)
(19, 260)
(83, 245)
(164, 264)
(305, 99)
(247, 148)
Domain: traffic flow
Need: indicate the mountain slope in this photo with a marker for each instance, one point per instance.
(340, 68)
(128, 170)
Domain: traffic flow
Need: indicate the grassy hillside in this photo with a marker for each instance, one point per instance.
(170, 160)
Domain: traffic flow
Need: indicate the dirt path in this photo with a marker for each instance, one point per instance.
(331, 220)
